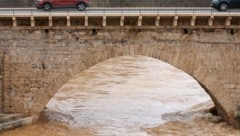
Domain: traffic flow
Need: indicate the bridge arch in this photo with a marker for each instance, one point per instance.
(211, 61)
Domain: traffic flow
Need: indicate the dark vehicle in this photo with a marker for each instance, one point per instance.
(47, 5)
(224, 5)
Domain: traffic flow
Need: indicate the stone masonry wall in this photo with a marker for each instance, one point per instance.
(38, 62)
(1, 77)
(3, 50)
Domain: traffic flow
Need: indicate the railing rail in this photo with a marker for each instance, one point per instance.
(175, 10)
(131, 11)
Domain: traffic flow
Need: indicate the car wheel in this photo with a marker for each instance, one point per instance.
(223, 7)
(81, 6)
(47, 7)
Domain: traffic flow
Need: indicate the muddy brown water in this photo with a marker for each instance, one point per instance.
(129, 96)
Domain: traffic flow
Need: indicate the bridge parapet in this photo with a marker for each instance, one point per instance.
(164, 17)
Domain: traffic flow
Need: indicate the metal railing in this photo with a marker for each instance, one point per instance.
(150, 3)
(102, 10)
(115, 6)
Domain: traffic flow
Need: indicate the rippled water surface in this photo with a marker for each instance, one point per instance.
(129, 96)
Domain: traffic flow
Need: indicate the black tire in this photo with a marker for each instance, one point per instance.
(47, 7)
(223, 7)
(81, 6)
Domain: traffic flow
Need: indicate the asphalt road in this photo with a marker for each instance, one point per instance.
(92, 10)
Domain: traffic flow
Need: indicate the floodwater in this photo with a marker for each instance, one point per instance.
(129, 96)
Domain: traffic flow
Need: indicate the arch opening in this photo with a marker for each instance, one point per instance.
(126, 88)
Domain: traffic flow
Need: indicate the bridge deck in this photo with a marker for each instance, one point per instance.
(103, 17)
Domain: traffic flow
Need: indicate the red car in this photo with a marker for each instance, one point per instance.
(47, 5)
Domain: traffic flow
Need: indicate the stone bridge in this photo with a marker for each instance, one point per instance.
(36, 61)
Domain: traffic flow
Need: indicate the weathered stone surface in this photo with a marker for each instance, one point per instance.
(11, 121)
(36, 63)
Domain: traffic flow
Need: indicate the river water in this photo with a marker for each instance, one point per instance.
(129, 96)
